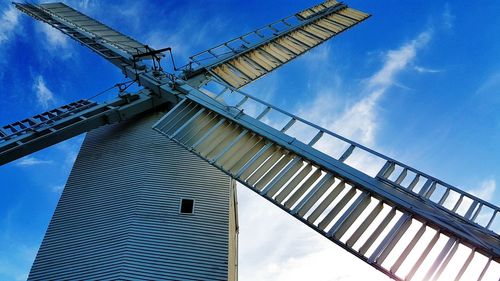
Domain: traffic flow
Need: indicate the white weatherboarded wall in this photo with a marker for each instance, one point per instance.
(118, 217)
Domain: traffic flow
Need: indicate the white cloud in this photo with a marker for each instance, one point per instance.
(56, 43)
(485, 190)
(86, 4)
(422, 69)
(448, 17)
(275, 246)
(397, 60)
(203, 34)
(487, 92)
(44, 95)
(16, 256)
(320, 54)
(359, 119)
(29, 161)
(57, 188)
(183, 46)
(8, 21)
(70, 149)
(14, 265)
(54, 37)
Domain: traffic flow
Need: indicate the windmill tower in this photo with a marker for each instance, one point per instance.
(324, 191)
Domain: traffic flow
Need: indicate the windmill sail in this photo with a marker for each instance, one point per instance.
(253, 55)
(400, 220)
(114, 46)
(407, 212)
(23, 137)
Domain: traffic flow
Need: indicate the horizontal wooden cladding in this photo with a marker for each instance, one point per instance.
(382, 233)
(99, 30)
(251, 65)
(118, 217)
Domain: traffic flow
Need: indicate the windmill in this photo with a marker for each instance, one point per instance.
(325, 192)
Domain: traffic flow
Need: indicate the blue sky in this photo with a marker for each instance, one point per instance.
(419, 81)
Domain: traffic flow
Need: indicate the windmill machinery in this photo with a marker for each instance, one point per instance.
(141, 203)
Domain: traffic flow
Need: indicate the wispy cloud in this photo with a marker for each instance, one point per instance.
(55, 38)
(9, 19)
(320, 54)
(14, 265)
(485, 190)
(44, 95)
(359, 119)
(55, 43)
(70, 149)
(183, 46)
(488, 90)
(422, 69)
(187, 31)
(396, 61)
(448, 17)
(29, 161)
(16, 256)
(57, 188)
(85, 4)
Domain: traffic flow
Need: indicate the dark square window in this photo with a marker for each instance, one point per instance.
(187, 206)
